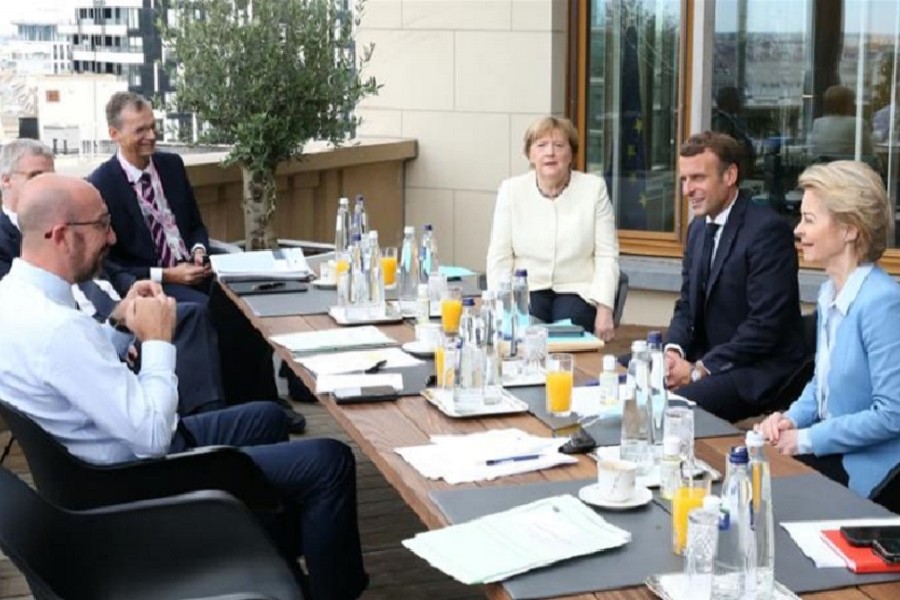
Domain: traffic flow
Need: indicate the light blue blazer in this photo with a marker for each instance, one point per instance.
(864, 388)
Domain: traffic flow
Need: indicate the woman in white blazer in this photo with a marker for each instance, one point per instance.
(846, 423)
(559, 225)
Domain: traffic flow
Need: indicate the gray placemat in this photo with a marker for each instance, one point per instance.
(648, 552)
(813, 497)
(608, 432)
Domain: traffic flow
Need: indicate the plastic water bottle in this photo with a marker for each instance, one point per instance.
(505, 302)
(408, 279)
(735, 568)
(342, 226)
(657, 386)
(608, 382)
(762, 521)
(700, 553)
(521, 304)
(635, 444)
(360, 218)
(375, 276)
(428, 261)
(489, 343)
(468, 382)
(359, 282)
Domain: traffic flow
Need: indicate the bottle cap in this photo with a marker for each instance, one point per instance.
(521, 272)
(754, 439)
(609, 362)
(671, 445)
(711, 502)
(423, 289)
(359, 198)
(373, 234)
(468, 301)
(638, 346)
(344, 202)
(409, 229)
(738, 456)
(427, 227)
(654, 337)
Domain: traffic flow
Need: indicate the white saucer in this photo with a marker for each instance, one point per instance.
(590, 494)
(325, 284)
(418, 348)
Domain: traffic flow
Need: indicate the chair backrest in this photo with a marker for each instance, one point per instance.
(29, 530)
(621, 296)
(55, 470)
(810, 332)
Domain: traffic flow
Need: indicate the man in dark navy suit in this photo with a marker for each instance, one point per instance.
(197, 364)
(159, 232)
(736, 334)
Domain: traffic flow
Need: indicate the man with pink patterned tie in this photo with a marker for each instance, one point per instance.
(160, 234)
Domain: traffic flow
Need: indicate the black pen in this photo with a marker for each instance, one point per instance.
(510, 459)
(269, 285)
(376, 367)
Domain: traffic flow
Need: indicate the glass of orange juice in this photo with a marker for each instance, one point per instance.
(559, 380)
(451, 309)
(688, 496)
(389, 265)
(444, 361)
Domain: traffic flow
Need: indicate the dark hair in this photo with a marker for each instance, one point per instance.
(726, 148)
(120, 101)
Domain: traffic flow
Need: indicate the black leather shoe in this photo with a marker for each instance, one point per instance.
(297, 390)
(296, 421)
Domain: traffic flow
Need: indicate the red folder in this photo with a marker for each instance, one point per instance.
(858, 559)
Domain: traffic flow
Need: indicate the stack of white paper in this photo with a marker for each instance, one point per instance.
(498, 546)
(329, 383)
(358, 360)
(808, 537)
(485, 455)
(341, 338)
(261, 263)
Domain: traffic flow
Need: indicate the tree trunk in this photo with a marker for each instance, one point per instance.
(259, 208)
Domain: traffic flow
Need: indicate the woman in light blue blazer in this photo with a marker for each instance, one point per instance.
(846, 423)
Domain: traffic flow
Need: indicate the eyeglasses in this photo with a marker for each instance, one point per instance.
(29, 175)
(102, 223)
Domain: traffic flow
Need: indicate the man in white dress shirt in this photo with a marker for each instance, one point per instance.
(62, 368)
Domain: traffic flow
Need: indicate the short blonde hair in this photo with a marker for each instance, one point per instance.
(854, 194)
(545, 125)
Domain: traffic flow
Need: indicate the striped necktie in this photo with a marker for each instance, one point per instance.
(157, 231)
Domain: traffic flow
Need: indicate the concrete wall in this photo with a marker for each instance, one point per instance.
(464, 78)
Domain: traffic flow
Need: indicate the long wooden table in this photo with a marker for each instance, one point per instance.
(379, 428)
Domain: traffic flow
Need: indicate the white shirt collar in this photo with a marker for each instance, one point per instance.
(13, 217)
(722, 217)
(55, 287)
(847, 294)
(132, 172)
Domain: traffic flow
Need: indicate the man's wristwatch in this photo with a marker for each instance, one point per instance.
(697, 372)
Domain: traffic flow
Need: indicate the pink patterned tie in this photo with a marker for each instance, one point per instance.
(157, 231)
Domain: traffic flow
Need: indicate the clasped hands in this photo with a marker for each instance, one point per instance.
(780, 432)
(190, 272)
(147, 312)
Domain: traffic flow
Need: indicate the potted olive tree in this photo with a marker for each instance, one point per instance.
(266, 76)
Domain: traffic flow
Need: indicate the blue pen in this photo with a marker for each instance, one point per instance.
(502, 461)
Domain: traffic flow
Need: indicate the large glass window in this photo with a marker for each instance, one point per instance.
(807, 81)
(631, 112)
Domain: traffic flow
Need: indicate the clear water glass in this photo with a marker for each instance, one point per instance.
(678, 422)
(700, 554)
(534, 350)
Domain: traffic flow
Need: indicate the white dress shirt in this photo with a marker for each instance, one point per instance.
(60, 367)
(568, 244)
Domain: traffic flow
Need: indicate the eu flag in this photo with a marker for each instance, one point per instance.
(632, 197)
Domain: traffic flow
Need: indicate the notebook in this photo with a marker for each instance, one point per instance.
(858, 559)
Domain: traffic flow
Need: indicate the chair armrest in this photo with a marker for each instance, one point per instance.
(220, 247)
(210, 468)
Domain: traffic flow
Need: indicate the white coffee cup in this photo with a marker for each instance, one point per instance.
(615, 479)
(429, 334)
(327, 270)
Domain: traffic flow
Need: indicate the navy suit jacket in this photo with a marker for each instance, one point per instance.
(752, 301)
(134, 252)
(10, 243)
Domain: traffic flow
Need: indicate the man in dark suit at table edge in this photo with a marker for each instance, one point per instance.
(736, 334)
(160, 235)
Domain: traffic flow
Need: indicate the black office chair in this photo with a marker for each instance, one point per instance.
(72, 483)
(197, 545)
(790, 390)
